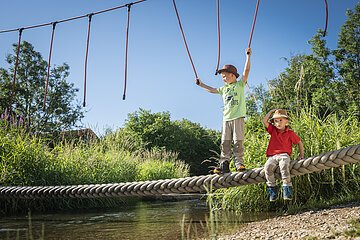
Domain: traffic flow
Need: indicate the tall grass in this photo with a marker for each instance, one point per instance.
(26, 160)
(318, 136)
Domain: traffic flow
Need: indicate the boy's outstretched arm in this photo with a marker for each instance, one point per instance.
(266, 118)
(301, 150)
(206, 87)
(246, 71)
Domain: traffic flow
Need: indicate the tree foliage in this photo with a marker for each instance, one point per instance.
(348, 61)
(192, 142)
(306, 81)
(258, 100)
(326, 80)
(60, 113)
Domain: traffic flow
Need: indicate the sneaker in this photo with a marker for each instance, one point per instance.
(272, 193)
(287, 192)
(241, 168)
(223, 168)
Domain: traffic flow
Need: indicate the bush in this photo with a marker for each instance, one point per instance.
(193, 143)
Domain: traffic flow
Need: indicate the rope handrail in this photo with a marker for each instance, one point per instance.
(197, 184)
(72, 18)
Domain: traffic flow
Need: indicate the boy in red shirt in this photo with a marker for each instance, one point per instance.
(279, 151)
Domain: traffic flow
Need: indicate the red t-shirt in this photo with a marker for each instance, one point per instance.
(281, 142)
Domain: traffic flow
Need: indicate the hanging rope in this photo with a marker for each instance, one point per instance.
(250, 39)
(183, 35)
(253, 25)
(49, 63)
(326, 17)
(15, 69)
(86, 56)
(60, 21)
(218, 31)
(126, 48)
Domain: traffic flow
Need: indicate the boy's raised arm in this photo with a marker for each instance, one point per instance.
(246, 71)
(206, 87)
(267, 116)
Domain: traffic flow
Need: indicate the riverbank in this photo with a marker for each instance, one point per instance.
(336, 222)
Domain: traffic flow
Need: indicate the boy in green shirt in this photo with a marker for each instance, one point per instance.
(234, 112)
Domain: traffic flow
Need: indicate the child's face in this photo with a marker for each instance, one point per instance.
(228, 78)
(281, 123)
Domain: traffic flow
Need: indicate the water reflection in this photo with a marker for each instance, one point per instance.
(143, 220)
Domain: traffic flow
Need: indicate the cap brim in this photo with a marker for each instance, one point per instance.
(224, 70)
(280, 116)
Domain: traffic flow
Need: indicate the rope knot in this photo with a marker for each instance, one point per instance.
(90, 16)
(129, 6)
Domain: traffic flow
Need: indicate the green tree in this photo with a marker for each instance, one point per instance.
(60, 113)
(308, 81)
(257, 101)
(193, 143)
(327, 80)
(348, 62)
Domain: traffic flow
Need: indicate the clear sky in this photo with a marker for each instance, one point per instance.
(160, 76)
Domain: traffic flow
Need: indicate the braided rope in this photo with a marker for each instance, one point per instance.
(195, 184)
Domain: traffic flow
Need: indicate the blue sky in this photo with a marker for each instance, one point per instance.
(160, 76)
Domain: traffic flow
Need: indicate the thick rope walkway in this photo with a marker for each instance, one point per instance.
(196, 184)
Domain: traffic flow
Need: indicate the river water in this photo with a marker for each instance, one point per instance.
(148, 220)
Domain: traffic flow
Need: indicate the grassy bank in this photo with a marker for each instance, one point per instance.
(323, 188)
(26, 160)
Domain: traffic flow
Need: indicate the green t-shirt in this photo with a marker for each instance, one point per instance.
(234, 100)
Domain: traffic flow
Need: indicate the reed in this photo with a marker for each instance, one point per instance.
(26, 160)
